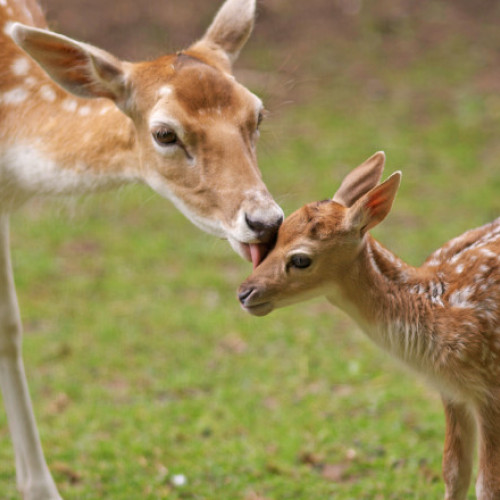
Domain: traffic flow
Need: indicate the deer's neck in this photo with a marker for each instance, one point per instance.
(58, 144)
(392, 302)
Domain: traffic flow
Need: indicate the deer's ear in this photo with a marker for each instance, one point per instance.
(374, 206)
(81, 69)
(230, 29)
(360, 180)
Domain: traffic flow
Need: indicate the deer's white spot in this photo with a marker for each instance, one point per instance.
(165, 91)
(84, 111)
(7, 28)
(3, 3)
(434, 262)
(484, 269)
(460, 298)
(15, 96)
(70, 105)
(488, 253)
(47, 93)
(20, 66)
(30, 81)
(105, 109)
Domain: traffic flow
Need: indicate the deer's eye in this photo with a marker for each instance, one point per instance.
(165, 136)
(300, 261)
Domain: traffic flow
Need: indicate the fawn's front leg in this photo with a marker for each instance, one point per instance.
(488, 481)
(458, 453)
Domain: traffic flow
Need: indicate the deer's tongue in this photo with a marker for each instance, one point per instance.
(257, 252)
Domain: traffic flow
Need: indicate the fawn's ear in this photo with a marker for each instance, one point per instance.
(230, 29)
(81, 69)
(360, 180)
(373, 207)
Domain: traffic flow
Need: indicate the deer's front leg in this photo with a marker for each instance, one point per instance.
(488, 481)
(458, 450)
(33, 476)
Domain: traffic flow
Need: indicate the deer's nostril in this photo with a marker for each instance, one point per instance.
(244, 294)
(254, 225)
(264, 230)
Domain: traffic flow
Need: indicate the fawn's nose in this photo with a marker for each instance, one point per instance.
(244, 293)
(265, 230)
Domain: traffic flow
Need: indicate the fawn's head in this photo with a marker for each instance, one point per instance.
(196, 127)
(318, 243)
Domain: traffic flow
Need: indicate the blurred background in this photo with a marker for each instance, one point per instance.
(143, 368)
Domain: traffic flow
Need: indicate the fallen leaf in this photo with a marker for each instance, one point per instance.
(63, 469)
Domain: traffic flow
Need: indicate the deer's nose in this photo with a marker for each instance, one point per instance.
(244, 293)
(265, 230)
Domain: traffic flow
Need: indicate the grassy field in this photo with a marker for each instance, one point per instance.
(143, 367)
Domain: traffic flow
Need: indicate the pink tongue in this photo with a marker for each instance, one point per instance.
(257, 252)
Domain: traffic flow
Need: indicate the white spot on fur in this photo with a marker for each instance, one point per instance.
(434, 263)
(69, 105)
(165, 91)
(483, 268)
(105, 109)
(47, 93)
(84, 111)
(15, 96)
(7, 29)
(20, 66)
(488, 253)
(460, 268)
(3, 3)
(30, 81)
(460, 298)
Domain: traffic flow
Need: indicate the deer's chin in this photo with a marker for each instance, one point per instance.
(262, 309)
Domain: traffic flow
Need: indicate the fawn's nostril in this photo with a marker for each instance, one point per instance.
(265, 231)
(244, 294)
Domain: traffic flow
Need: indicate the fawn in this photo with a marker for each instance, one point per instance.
(442, 319)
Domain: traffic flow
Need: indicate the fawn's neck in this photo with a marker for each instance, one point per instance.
(391, 301)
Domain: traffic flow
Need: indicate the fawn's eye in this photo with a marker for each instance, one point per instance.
(165, 136)
(300, 261)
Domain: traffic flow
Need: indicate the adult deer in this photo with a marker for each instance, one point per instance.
(180, 124)
(442, 319)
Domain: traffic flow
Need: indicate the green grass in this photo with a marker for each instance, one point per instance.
(142, 366)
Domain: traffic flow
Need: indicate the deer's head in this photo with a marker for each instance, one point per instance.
(317, 245)
(196, 126)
